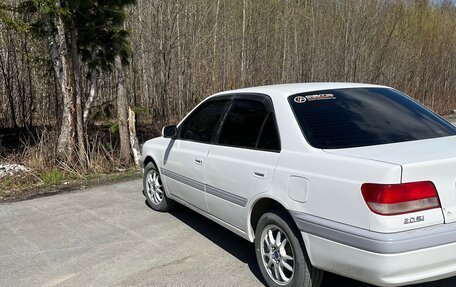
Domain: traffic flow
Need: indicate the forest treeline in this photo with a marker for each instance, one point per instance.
(168, 55)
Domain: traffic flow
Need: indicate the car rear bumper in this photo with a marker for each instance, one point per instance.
(399, 269)
(395, 259)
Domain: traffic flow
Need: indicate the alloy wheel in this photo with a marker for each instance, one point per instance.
(154, 187)
(277, 255)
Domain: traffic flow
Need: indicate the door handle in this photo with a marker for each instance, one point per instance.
(259, 174)
(198, 161)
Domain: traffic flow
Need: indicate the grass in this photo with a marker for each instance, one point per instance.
(10, 184)
(53, 177)
(26, 185)
(48, 171)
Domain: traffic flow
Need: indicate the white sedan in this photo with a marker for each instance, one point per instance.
(355, 179)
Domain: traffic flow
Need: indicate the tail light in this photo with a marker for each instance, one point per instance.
(393, 199)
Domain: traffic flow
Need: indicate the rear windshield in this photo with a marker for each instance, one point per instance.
(355, 117)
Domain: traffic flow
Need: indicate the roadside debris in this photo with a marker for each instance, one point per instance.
(11, 169)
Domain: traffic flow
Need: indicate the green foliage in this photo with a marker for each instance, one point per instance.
(114, 129)
(10, 22)
(140, 110)
(52, 177)
(99, 25)
(100, 31)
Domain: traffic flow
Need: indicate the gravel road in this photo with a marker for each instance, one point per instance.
(108, 236)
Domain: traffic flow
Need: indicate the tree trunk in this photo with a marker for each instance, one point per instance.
(93, 88)
(214, 49)
(59, 51)
(122, 113)
(82, 155)
(30, 84)
(244, 8)
(133, 139)
(180, 60)
(9, 90)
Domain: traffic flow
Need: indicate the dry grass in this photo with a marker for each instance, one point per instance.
(45, 170)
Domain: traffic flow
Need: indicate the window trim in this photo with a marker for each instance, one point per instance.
(197, 109)
(270, 114)
(265, 99)
(262, 129)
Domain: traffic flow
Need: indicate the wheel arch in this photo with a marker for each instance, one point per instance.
(267, 204)
(260, 207)
(149, 159)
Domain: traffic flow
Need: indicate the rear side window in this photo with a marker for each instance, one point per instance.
(243, 123)
(201, 124)
(357, 117)
(269, 137)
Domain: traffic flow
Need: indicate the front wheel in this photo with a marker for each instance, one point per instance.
(154, 189)
(280, 253)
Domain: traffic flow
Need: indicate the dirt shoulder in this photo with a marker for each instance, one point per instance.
(24, 192)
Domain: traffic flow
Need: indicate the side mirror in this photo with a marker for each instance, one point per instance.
(169, 131)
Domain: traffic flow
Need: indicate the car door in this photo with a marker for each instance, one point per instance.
(242, 162)
(184, 160)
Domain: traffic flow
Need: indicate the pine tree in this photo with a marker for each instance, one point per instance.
(80, 31)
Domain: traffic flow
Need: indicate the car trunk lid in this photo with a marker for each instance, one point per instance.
(430, 159)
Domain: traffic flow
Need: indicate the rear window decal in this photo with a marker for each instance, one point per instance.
(320, 97)
(310, 98)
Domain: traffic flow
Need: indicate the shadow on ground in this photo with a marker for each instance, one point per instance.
(230, 242)
(244, 250)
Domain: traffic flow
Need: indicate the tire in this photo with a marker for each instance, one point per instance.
(284, 253)
(154, 191)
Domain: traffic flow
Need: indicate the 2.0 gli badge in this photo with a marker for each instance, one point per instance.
(414, 219)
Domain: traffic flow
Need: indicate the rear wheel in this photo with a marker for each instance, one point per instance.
(154, 189)
(280, 253)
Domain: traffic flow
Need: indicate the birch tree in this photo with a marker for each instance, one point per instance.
(58, 50)
(183, 51)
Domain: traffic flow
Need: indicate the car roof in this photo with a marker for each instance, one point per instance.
(285, 90)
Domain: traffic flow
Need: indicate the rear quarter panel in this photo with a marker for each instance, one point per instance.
(334, 190)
